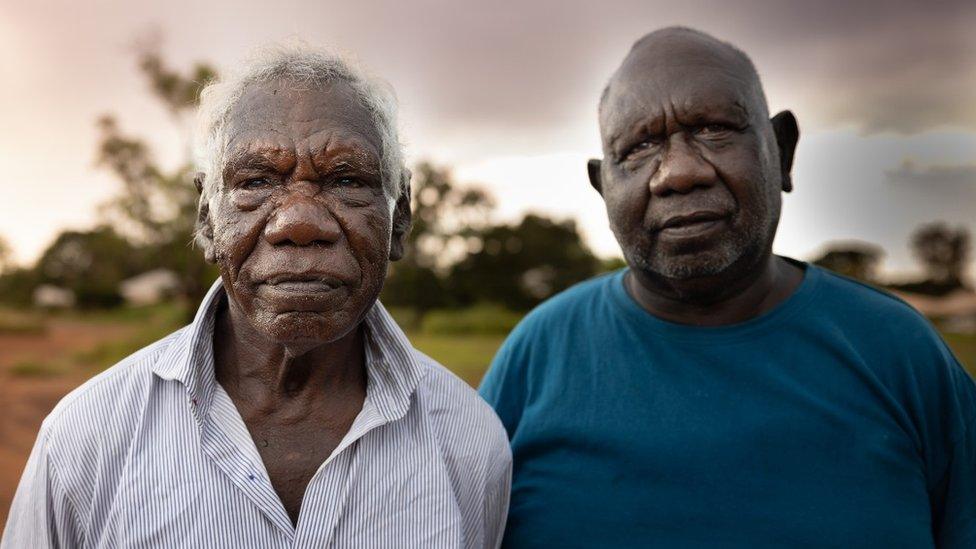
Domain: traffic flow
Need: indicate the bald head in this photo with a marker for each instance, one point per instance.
(686, 48)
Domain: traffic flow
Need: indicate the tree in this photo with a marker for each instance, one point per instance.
(91, 264)
(520, 265)
(944, 253)
(854, 259)
(157, 207)
(444, 215)
(6, 255)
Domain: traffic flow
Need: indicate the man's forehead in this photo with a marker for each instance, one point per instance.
(686, 92)
(282, 111)
(685, 70)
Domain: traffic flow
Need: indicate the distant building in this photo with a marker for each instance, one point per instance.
(149, 287)
(49, 296)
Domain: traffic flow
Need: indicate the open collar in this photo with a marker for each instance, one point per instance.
(393, 367)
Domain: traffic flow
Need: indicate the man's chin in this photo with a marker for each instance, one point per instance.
(306, 327)
(687, 266)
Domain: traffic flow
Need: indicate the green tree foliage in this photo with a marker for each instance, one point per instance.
(157, 207)
(456, 257)
(854, 259)
(521, 265)
(944, 252)
(443, 215)
(6, 255)
(16, 283)
(90, 263)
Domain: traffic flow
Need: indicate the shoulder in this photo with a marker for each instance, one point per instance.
(100, 414)
(866, 310)
(452, 403)
(556, 321)
(463, 422)
(902, 348)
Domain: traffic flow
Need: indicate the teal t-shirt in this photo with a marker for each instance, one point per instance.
(838, 419)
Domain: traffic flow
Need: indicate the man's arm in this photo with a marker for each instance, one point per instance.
(42, 514)
(955, 516)
(497, 491)
(954, 495)
(503, 385)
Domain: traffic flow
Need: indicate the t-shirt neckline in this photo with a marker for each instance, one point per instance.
(765, 323)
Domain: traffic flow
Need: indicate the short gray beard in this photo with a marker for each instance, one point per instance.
(694, 265)
(699, 265)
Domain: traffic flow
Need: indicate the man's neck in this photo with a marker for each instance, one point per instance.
(250, 366)
(717, 301)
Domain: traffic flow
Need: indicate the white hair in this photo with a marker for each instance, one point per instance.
(305, 67)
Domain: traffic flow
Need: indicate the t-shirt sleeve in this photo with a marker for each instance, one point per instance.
(954, 492)
(503, 387)
(41, 514)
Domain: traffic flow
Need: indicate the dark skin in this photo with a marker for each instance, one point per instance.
(692, 177)
(302, 232)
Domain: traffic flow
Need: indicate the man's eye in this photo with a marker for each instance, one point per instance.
(353, 182)
(255, 183)
(713, 130)
(648, 143)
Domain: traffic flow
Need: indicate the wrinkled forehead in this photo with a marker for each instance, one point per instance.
(283, 114)
(690, 83)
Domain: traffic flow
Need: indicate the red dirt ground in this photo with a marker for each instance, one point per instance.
(26, 400)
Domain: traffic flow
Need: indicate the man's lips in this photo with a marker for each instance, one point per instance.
(692, 223)
(303, 283)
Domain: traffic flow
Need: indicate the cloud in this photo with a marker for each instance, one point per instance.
(878, 66)
(909, 173)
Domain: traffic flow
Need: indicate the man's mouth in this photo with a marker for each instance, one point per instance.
(303, 283)
(692, 224)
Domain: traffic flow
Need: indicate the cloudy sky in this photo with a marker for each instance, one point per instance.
(505, 93)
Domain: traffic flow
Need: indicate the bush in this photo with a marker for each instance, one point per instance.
(480, 319)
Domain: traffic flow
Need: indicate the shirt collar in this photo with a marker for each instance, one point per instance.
(393, 368)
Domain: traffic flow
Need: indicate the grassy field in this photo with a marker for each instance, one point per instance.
(964, 347)
(464, 346)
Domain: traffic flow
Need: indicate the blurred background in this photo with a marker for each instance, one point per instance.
(498, 106)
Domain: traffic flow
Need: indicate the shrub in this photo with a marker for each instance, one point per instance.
(479, 319)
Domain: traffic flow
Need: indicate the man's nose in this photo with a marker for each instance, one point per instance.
(302, 221)
(682, 169)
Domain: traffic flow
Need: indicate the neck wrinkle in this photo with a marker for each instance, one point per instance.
(266, 371)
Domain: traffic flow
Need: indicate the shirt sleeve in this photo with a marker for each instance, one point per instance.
(497, 492)
(954, 494)
(41, 514)
(503, 386)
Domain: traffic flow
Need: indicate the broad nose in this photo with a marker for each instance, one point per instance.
(682, 169)
(302, 221)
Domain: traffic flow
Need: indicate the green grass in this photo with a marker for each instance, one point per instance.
(964, 347)
(467, 356)
(154, 322)
(36, 369)
(484, 319)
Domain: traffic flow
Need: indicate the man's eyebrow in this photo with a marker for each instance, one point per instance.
(264, 158)
(346, 158)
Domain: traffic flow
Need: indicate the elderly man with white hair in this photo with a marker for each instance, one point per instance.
(292, 412)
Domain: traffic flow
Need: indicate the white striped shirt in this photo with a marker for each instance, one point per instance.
(153, 453)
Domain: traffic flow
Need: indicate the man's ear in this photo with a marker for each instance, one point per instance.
(593, 170)
(203, 231)
(198, 181)
(401, 218)
(787, 135)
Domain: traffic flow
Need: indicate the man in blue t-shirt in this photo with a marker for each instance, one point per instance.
(714, 394)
